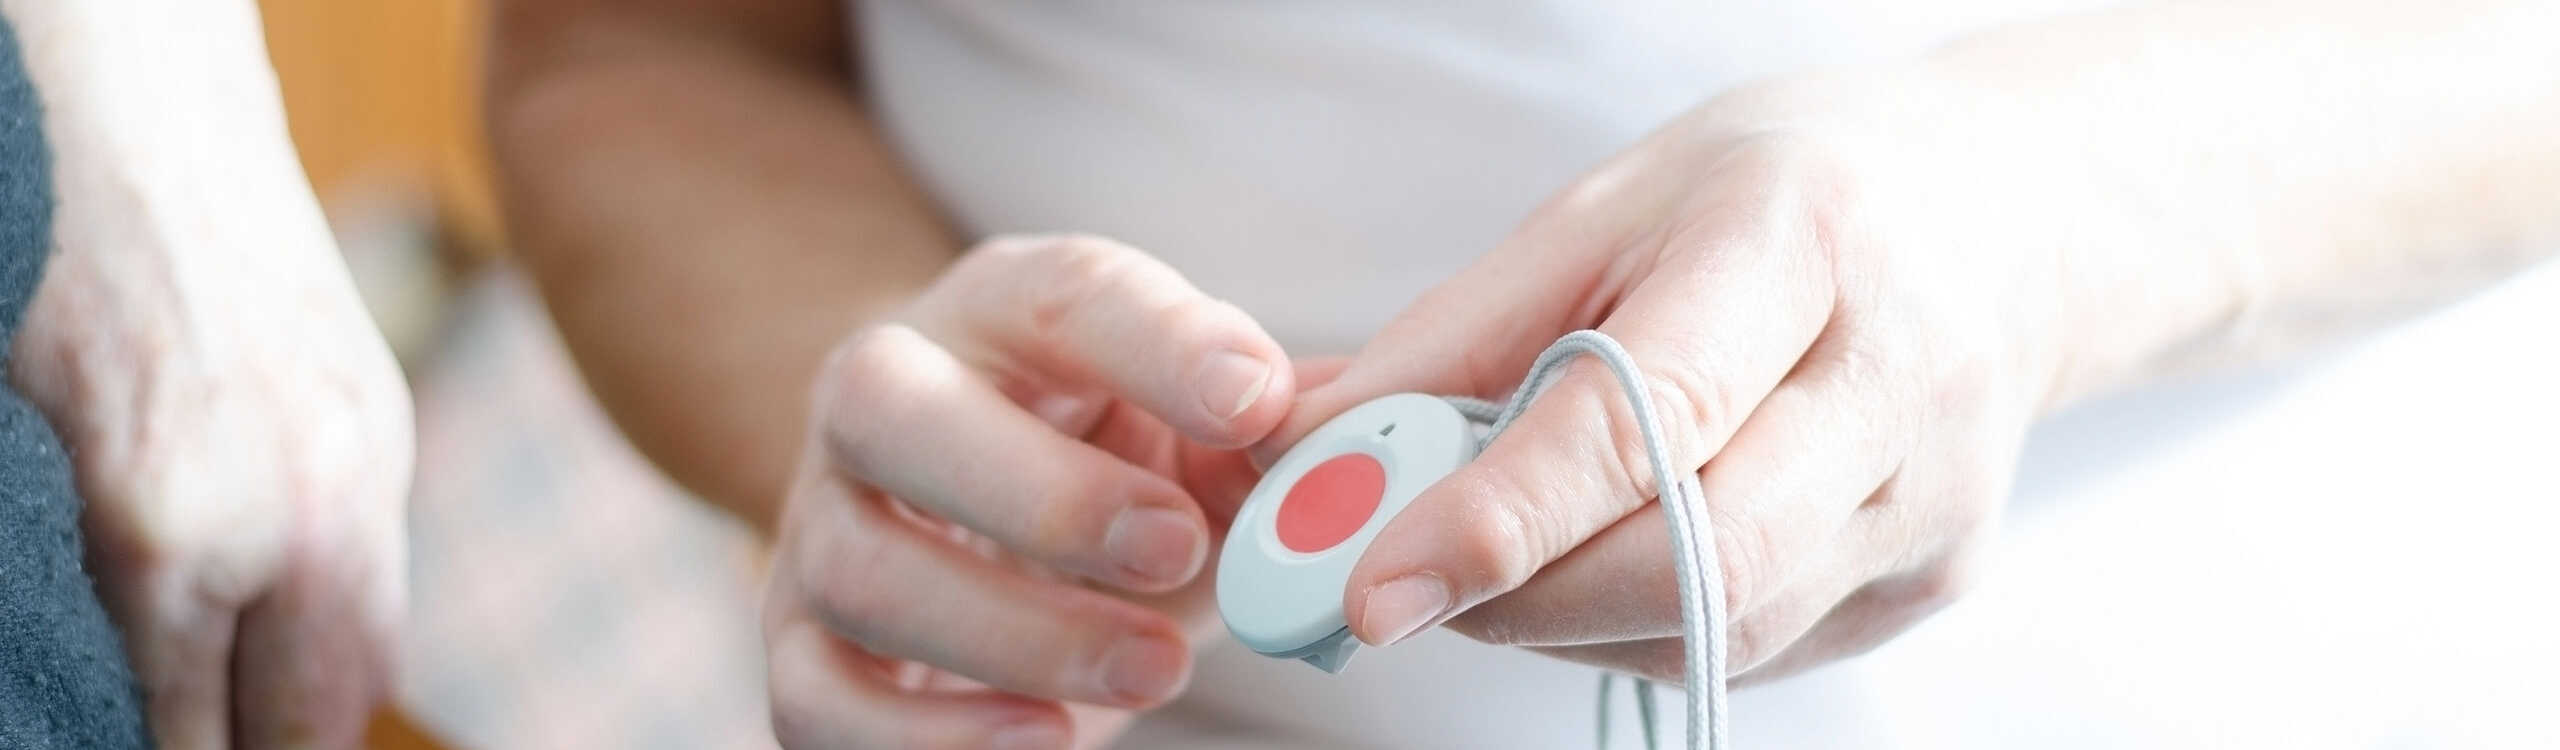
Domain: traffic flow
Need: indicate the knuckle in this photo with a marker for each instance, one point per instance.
(854, 370)
(1743, 549)
(848, 577)
(1075, 270)
(859, 380)
(1688, 402)
(1685, 400)
(1682, 414)
(1750, 642)
(1073, 518)
(375, 413)
(126, 543)
(1501, 542)
(1892, 398)
(1872, 364)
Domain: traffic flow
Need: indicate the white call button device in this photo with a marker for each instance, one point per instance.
(1289, 554)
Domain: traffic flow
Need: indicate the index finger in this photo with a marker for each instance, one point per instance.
(1091, 312)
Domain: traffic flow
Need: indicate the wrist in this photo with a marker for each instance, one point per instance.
(165, 115)
(2112, 276)
(140, 72)
(2142, 279)
(182, 220)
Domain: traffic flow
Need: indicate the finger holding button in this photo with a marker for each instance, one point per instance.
(910, 419)
(1002, 490)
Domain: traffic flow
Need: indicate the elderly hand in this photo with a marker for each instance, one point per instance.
(241, 438)
(1006, 498)
(1847, 314)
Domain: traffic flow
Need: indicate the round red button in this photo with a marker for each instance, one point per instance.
(1331, 502)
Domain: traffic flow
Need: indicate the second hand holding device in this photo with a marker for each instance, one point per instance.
(1289, 555)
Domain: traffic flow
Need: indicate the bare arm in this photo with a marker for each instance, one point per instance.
(2289, 170)
(708, 210)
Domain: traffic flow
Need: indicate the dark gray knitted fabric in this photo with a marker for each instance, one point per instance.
(63, 679)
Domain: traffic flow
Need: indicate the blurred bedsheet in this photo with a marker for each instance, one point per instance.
(564, 595)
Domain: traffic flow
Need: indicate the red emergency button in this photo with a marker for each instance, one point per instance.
(1330, 503)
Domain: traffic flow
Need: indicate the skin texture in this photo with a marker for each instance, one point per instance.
(1853, 288)
(1853, 292)
(1089, 595)
(698, 257)
(240, 433)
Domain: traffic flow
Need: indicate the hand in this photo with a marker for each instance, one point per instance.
(241, 438)
(1846, 317)
(1005, 499)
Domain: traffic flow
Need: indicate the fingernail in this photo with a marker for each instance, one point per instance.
(1230, 382)
(1030, 735)
(1143, 669)
(1153, 544)
(1397, 608)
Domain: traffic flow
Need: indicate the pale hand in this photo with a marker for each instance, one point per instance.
(1847, 320)
(242, 440)
(1008, 492)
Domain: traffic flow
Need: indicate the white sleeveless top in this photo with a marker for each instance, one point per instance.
(1321, 162)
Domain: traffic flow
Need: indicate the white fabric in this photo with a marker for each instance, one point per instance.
(1318, 162)
(2341, 553)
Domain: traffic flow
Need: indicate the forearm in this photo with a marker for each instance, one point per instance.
(186, 236)
(170, 153)
(2260, 174)
(706, 217)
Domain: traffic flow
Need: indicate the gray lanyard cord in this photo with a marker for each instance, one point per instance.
(1693, 552)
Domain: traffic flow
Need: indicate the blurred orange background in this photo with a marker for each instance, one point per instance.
(385, 96)
(563, 594)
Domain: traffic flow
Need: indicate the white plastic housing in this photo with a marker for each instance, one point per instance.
(1288, 604)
